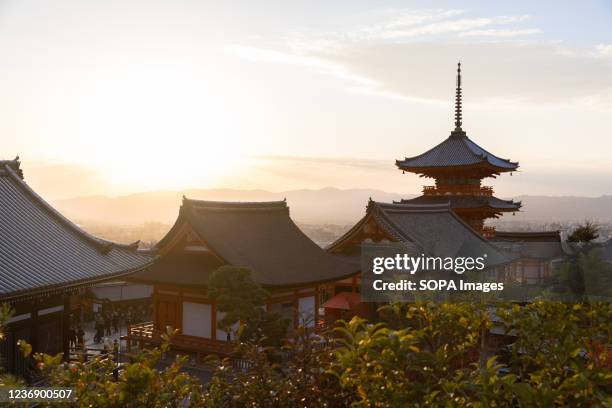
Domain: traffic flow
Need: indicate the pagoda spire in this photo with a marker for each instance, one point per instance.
(458, 119)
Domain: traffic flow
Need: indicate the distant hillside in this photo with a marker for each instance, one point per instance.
(325, 206)
(566, 208)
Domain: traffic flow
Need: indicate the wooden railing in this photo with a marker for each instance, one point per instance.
(488, 232)
(458, 189)
(145, 333)
(141, 330)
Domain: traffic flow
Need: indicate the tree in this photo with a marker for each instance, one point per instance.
(236, 294)
(243, 301)
(424, 354)
(560, 352)
(142, 382)
(302, 380)
(584, 233)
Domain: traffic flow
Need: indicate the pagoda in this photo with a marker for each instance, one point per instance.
(458, 166)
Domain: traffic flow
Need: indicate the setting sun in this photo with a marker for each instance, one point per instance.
(161, 124)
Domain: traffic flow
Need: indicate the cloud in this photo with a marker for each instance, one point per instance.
(317, 64)
(408, 55)
(446, 26)
(499, 75)
(335, 161)
(603, 50)
(501, 32)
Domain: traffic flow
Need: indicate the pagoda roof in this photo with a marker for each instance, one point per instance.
(458, 150)
(433, 229)
(41, 251)
(467, 202)
(260, 236)
(545, 245)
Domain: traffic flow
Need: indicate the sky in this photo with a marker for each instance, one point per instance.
(116, 97)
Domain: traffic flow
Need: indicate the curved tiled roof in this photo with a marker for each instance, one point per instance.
(41, 250)
(260, 236)
(545, 245)
(457, 150)
(465, 202)
(434, 229)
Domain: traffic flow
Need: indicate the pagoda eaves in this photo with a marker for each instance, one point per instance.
(458, 166)
(457, 153)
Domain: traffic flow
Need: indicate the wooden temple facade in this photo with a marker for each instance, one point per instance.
(458, 165)
(257, 235)
(535, 255)
(46, 261)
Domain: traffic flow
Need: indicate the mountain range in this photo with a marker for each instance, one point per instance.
(324, 206)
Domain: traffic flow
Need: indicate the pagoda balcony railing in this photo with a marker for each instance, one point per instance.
(458, 189)
(488, 232)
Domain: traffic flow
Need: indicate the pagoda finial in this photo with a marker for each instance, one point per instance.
(458, 119)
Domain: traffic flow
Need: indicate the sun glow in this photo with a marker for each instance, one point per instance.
(160, 125)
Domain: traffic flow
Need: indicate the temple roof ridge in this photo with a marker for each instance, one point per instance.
(235, 205)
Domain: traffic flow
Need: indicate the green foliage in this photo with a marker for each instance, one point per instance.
(587, 276)
(597, 274)
(560, 353)
(6, 379)
(243, 301)
(430, 356)
(299, 378)
(266, 328)
(422, 354)
(584, 233)
(236, 294)
(141, 382)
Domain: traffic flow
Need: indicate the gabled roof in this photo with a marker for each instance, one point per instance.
(258, 235)
(42, 251)
(545, 245)
(433, 229)
(467, 202)
(457, 150)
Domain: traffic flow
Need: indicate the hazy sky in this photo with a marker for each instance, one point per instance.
(111, 97)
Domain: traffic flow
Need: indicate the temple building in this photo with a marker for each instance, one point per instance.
(430, 229)
(259, 236)
(449, 218)
(46, 262)
(537, 254)
(458, 165)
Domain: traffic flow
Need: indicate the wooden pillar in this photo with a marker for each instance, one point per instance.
(213, 322)
(296, 309)
(154, 300)
(354, 284)
(316, 305)
(66, 327)
(34, 328)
